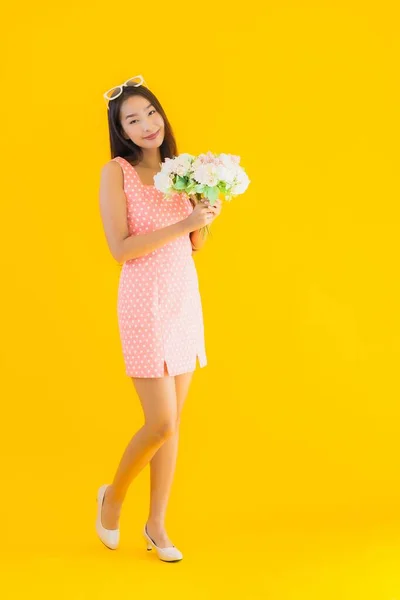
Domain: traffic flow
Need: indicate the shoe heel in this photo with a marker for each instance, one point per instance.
(147, 541)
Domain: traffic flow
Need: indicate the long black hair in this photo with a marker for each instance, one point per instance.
(120, 146)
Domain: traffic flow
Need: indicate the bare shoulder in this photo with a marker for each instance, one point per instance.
(111, 177)
(111, 169)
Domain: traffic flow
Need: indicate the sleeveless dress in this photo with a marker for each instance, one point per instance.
(159, 308)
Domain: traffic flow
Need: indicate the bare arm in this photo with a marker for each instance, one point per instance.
(123, 246)
(198, 238)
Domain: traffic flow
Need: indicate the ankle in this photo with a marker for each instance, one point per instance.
(111, 497)
(156, 523)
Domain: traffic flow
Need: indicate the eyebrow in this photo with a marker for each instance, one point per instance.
(136, 114)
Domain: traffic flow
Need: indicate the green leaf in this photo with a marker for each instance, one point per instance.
(180, 183)
(213, 193)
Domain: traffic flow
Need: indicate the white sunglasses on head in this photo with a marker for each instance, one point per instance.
(116, 91)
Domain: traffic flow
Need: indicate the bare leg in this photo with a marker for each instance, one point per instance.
(162, 469)
(158, 399)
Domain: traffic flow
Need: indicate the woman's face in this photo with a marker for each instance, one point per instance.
(140, 119)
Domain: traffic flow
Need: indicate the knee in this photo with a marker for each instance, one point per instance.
(163, 430)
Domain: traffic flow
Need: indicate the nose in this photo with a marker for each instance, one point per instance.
(147, 125)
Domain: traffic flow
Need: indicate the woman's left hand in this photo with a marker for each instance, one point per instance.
(215, 208)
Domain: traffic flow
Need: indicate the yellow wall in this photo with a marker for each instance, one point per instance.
(295, 419)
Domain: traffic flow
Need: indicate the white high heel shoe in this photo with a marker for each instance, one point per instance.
(109, 537)
(170, 554)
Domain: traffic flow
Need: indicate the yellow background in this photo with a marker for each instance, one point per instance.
(287, 482)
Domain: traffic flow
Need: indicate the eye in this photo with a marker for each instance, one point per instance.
(153, 110)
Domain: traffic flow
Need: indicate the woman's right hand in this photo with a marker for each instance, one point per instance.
(201, 216)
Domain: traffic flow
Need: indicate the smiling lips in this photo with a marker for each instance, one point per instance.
(152, 136)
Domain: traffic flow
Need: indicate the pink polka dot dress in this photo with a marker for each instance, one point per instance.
(159, 307)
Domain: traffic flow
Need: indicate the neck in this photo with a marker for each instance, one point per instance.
(151, 159)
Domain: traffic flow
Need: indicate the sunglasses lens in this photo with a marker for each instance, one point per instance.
(134, 81)
(113, 93)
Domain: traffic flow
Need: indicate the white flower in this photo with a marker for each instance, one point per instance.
(163, 181)
(207, 174)
(168, 165)
(241, 183)
(225, 173)
(181, 164)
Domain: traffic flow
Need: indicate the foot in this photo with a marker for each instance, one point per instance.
(159, 535)
(110, 511)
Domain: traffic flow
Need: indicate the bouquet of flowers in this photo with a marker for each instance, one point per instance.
(203, 176)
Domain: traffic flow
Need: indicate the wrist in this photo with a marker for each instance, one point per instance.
(184, 227)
